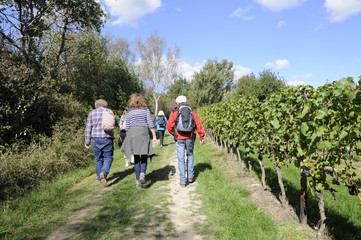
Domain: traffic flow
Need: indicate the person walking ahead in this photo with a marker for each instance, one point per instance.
(102, 141)
(138, 121)
(160, 124)
(181, 124)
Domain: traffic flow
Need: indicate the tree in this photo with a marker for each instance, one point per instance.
(261, 86)
(247, 85)
(97, 72)
(179, 87)
(25, 22)
(158, 65)
(212, 82)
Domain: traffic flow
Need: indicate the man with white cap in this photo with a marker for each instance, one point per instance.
(182, 122)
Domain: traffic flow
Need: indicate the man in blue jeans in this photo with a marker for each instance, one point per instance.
(185, 137)
(102, 141)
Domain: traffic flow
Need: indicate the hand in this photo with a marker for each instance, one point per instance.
(155, 141)
(87, 146)
(201, 142)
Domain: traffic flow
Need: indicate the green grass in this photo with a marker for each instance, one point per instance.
(230, 213)
(122, 211)
(43, 209)
(343, 213)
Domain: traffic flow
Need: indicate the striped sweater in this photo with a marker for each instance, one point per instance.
(138, 117)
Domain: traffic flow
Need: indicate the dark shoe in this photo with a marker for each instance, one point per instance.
(103, 179)
(182, 185)
(142, 178)
(190, 180)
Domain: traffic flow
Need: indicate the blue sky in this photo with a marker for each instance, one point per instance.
(305, 41)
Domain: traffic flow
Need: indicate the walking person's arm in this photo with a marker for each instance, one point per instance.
(154, 136)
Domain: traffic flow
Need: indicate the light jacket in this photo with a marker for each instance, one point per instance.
(159, 128)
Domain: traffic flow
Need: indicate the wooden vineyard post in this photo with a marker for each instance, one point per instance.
(303, 200)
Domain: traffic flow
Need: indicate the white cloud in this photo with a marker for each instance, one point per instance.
(187, 71)
(240, 71)
(129, 11)
(279, 5)
(279, 64)
(281, 23)
(241, 13)
(342, 9)
(296, 83)
(307, 75)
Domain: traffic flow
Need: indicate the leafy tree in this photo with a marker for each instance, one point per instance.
(25, 22)
(269, 82)
(98, 72)
(247, 85)
(179, 87)
(212, 82)
(261, 86)
(158, 65)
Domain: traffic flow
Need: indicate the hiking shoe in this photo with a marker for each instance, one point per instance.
(190, 180)
(142, 178)
(182, 185)
(103, 179)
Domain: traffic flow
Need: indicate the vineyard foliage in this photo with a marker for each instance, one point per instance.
(318, 130)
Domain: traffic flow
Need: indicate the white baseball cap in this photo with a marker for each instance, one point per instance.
(181, 99)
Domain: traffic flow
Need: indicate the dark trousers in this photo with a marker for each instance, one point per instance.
(161, 136)
(140, 165)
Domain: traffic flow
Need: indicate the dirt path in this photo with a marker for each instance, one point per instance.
(184, 211)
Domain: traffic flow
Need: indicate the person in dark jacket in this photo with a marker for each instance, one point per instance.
(185, 141)
(160, 124)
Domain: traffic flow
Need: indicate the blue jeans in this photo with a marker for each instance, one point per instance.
(103, 151)
(182, 145)
(140, 165)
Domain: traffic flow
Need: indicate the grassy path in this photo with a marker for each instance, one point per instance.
(216, 206)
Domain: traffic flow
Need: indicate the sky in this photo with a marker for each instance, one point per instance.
(305, 41)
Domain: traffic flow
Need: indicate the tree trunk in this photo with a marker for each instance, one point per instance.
(156, 104)
(321, 207)
(249, 162)
(263, 178)
(280, 182)
(303, 201)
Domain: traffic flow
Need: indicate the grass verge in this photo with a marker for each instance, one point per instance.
(230, 213)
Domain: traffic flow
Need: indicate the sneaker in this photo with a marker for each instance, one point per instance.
(190, 180)
(142, 178)
(138, 185)
(103, 179)
(182, 185)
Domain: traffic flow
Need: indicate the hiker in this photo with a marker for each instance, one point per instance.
(182, 122)
(102, 140)
(160, 124)
(122, 135)
(138, 121)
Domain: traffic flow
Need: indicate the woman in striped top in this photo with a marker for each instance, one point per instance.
(137, 142)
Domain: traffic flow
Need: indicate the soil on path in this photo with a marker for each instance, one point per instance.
(184, 211)
(185, 208)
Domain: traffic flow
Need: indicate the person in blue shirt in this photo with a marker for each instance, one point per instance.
(160, 124)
